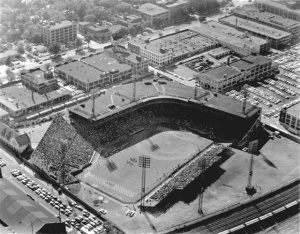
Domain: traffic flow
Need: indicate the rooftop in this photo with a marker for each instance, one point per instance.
(3, 112)
(17, 97)
(169, 4)
(257, 59)
(104, 63)
(19, 212)
(175, 90)
(251, 11)
(124, 52)
(37, 76)
(97, 28)
(81, 71)
(220, 72)
(84, 23)
(278, 5)
(177, 43)
(249, 62)
(7, 53)
(254, 27)
(152, 9)
(56, 25)
(7, 131)
(226, 33)
(294, 110)
(242, 65)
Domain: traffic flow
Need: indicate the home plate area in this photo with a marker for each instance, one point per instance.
(100, 181)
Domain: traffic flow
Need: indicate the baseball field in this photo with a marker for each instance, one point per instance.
(120, 176)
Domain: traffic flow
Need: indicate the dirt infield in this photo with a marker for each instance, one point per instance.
(119, 176)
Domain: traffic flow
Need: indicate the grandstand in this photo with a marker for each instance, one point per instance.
(169, 106)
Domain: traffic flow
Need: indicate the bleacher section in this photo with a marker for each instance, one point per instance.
(85, 135)
(189, 173)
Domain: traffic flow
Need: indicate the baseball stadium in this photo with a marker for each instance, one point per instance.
(145, 144)
(175, 127)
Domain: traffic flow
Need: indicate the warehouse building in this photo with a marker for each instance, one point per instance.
(92, 72)
(226, 76)
(239, 42)
(172, 47)
(251, 12)
(138, 64)
(39, 80)
(152, 13)
(17, 100)
(290, 118)
(60, 32)
(287, 9)
(276, 37)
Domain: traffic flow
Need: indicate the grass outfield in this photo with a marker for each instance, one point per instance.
(124, 183)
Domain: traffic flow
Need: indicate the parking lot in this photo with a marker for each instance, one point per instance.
(187, 68)
(67, 209)
(278, 90)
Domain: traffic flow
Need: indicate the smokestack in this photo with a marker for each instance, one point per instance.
(236, 23)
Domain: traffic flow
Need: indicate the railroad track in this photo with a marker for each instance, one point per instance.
(246, 212)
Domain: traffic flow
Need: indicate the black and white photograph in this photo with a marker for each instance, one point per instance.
(149, 116)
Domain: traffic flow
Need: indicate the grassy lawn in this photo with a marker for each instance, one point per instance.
(124, 182)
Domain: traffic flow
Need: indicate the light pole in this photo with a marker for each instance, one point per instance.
(144, 162)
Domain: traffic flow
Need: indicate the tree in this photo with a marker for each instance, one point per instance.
(20, 49)
(98, 12)
(78, 42)
(46, 15)
(8, 61)
(13, 35)
(123, 7)
(47, 66)
(54, 48)
(68, 59)
(104, 3)
(10, 75)
(160, 34)
(123, 32)
(147, 23)
(89, 18)
(131, 30)
(22, 18)
(27, 25)
(139, 27)
(37, 38)
(88, 40)
(81, 10)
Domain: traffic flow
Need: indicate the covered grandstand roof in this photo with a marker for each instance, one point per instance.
(121, 97)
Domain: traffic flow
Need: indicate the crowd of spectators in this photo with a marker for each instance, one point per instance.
(49, 156)
(84, 136)
(189, 173)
